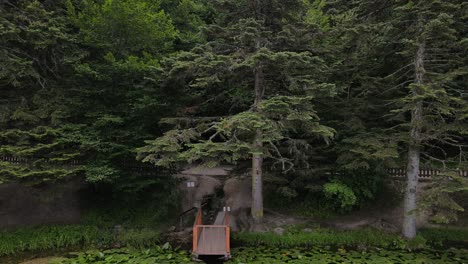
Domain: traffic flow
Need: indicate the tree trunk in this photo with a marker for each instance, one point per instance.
(412, 168)
(257, 181)
(257, 156)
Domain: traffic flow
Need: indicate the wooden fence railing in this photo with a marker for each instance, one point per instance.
(423, 173)
(147, 168)
(34, 161)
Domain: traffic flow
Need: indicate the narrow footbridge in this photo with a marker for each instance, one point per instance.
(212, 240)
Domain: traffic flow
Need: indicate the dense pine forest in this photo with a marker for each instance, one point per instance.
(316, 102)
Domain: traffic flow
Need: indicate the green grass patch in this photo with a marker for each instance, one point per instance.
(365, 238)
(323, 237)
(442, 236)
(138, 238)
(73, 237)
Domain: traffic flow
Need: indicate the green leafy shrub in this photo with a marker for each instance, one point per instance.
(417, 242)
(319, 193)
(340, 195)
(366, 184)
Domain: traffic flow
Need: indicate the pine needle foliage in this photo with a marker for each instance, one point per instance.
(223, 68)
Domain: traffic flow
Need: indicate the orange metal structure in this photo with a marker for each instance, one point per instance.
(212, 240)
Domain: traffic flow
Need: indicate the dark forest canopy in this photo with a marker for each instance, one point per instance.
(300, 88)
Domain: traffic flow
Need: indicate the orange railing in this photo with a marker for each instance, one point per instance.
(211, 239)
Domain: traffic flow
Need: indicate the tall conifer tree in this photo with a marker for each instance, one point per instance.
(402, 66)
(429, 38)
(265, 71)
(38, 49)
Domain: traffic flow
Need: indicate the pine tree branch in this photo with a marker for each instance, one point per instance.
(395, 87)
(211, 125)
(434, 158)
(395, 72)
(214, 135)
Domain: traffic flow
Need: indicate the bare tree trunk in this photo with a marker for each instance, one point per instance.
(412, 169)
(257, 181)
(257, 157)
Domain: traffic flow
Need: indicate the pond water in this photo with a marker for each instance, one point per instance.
(318, 255)
(258, 255)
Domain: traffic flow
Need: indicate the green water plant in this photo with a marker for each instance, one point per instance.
(158, 254)
(261, 255)
(271, 255)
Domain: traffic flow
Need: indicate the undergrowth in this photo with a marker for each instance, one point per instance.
(73, 237)
(86, 236)
(441, 236)
(323, 237)
(365, 238)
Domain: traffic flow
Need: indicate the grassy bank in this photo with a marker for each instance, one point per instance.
(322, 237)
(73, 237)
(77, 237)
(444, 236)
(356, 239)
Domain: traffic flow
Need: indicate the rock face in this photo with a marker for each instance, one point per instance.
(238, 196)
(202, 186)
(238, 193)
(23, 205)
(201, 182)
